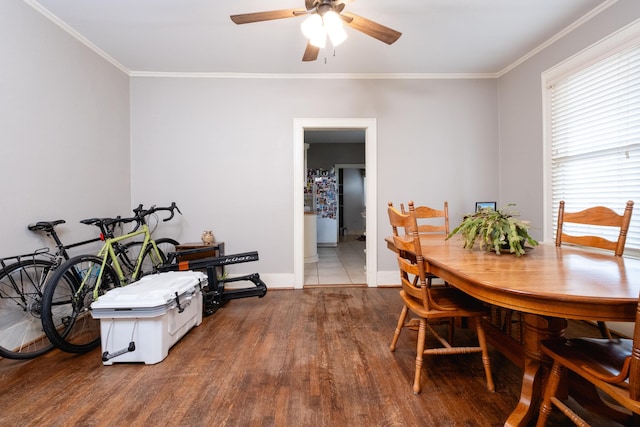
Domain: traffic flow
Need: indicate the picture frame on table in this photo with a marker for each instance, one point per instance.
(485, 205)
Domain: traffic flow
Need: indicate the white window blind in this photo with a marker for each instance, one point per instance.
(595, 139)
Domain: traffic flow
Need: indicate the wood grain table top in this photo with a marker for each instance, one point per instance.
(565, 281)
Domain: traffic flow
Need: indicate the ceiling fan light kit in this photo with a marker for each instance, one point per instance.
(313, 29)
(325, 19)
(316, 28)
(335, 29)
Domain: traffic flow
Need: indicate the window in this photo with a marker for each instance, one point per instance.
(592, 130)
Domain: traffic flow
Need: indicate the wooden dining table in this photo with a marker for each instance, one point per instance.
(548, 285)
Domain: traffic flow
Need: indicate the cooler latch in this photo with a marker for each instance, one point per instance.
(180, 308)
(186, 301)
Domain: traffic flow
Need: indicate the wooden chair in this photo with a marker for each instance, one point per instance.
(598, 216)
(431, 303)
(610, 365)
(429, 219)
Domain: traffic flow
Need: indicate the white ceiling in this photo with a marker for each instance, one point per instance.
(197, 36)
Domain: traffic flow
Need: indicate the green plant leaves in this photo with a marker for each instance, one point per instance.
(495, 231)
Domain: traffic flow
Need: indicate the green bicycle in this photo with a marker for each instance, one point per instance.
(68, 294)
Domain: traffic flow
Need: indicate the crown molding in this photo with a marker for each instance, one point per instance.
(355, 76)
(594, 12)
(53, 18)
(325, 76)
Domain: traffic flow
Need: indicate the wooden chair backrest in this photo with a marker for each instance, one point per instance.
(396, 220)
(634, 368)
(409, 254)
(596, 216)
(429, 219)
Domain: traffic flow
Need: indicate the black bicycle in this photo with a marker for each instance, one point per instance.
(22, 278)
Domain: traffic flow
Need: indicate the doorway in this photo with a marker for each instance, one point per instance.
(351, 180)
(335, 236)
(369, 125)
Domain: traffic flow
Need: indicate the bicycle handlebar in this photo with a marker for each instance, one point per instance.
(140, 213)
(107, 225)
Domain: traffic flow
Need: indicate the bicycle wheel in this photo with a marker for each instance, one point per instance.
(149, 262)
(66, 303)
(21, 333)
(166, 245)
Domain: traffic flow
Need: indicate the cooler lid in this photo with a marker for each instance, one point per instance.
(151, 291)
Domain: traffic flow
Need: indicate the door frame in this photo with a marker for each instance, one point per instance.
(299, 179)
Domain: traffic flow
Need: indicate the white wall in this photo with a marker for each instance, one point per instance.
(64, 131)
(222, 149)
(521, 127)
(520, 101)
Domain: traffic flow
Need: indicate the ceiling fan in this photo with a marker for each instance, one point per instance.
(323, 10)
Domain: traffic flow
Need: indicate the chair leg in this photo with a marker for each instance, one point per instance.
(604, 330)
(508, 318)
(422, 338)
(557, 371)
(520, 328)
(396, 334)
(482, 341)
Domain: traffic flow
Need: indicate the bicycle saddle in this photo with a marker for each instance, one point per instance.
(45, 225)
(106, 221)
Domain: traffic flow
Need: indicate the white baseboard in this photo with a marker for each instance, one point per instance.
(388, 278)
(285, 281)
(273, 281)
(384, 278)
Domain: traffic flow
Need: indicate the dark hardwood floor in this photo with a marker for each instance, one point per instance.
(313, 357)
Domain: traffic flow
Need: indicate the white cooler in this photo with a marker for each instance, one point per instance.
(141, 321)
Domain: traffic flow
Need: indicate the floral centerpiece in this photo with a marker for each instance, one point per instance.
(495, 230)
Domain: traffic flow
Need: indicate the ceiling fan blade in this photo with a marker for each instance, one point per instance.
(310, 4)
(247, 18)
(311, 52)
(373, 29)
(345, 18)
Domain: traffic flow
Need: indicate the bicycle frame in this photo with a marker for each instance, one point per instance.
(49, 228)
(107, 252)
(62, 249)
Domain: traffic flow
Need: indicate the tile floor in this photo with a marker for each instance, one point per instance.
(342, 265)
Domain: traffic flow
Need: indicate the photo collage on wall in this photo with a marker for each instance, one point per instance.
(323, 181)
